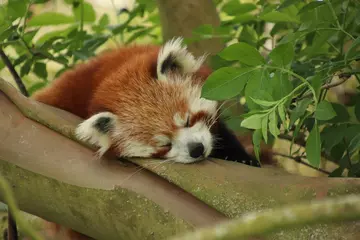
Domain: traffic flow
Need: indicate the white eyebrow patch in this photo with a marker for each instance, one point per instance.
(180, 121)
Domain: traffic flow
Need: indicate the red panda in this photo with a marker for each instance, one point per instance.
(145, 101)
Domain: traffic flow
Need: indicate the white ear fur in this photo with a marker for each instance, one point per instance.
(87, 131)
(173, 51)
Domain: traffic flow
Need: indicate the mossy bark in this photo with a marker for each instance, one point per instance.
(58, 179)
(102, 214)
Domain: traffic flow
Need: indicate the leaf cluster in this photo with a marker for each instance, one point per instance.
(73, 37)
(283, 58)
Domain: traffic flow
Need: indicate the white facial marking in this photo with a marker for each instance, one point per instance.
(197, 103)
(199, 133)
(180, 121)
(87, 131)
(202, 104)
(162, 140)
(187, 61)
(133, 148)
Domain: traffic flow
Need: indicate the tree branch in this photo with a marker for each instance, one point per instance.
(13, 72)
(343, 76)
(342, 209)
(298, 159)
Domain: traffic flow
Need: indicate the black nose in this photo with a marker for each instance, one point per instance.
(196, 149)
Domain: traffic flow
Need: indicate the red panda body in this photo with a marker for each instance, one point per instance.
(145, 101)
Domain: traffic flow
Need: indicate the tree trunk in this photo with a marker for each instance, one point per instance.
(58, 179)
(180, 18)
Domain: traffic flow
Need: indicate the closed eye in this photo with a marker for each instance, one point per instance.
(166, 147)
(187, 124)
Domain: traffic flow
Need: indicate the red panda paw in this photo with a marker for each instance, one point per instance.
(96, 130)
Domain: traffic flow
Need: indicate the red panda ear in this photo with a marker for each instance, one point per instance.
(175, 58)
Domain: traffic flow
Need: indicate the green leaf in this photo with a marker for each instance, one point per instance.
(316, 82)
(138, 34)
(342, 115)
(287, 3)
(253, 122)
(299, 110)
(54, 35)
(40, 70)
(276, 17)
(28, 36)
(234, 7)
(104, 20)
(282, 113)
(354, 144)
(36, 87)
(259, 86)
(226, 82)
(313, 146)
(277, 79)
(25, 68)
(264, 127)
(93, 43)
(273, 121)
(333, 135)
(205, 29)
(249, 35)
(256, 139)
(357, 108)
(337, 172)
(20, 59)
(243, 18)
(89, 14)
(352, 49)
(324, 111)
(243, 53)
(2, 65)
(264, 103)
(16, 8)
(283, 54)
(310, 6)
(50, 18)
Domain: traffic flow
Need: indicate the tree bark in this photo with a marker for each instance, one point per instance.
(58, 179)
(180, 18)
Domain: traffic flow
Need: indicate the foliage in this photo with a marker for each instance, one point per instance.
(286, 87)
(284, 71)
(74, 36)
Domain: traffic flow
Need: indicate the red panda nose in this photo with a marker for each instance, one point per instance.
(196, 149)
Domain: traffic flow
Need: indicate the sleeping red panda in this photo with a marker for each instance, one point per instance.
(145, 101)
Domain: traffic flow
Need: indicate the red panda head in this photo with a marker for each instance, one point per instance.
(153, 115)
